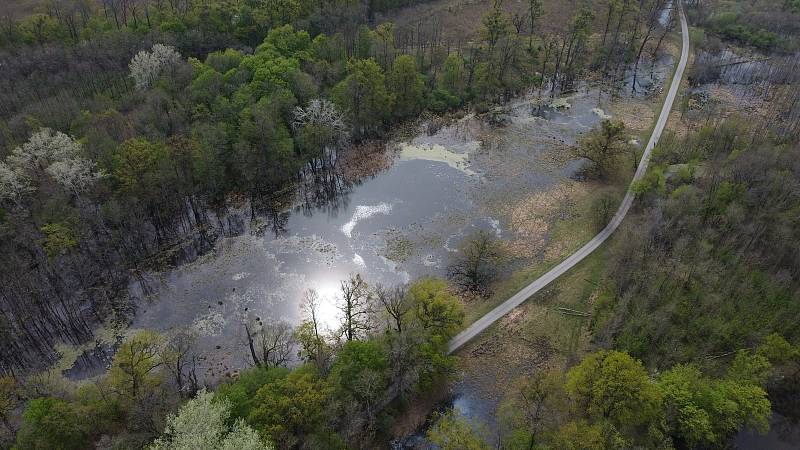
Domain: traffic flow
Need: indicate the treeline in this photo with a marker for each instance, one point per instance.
(388, 349)
(245, 22)
(712, 268)
(696, 309)
(762, 24)
(609, 400)
(714, 265)
(697, 306)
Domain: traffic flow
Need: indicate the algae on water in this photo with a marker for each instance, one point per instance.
(436, 152)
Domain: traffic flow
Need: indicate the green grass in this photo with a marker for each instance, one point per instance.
(571, 234)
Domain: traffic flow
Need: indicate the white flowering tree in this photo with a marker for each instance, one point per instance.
(202, 424)
(321, 112)
(321, 130)
(12, 186)
(47, 153)
(147, 66)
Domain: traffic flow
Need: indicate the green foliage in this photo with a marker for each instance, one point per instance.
(133, 372)
(270, 71)
(51, 423)
(580, 435)
(713, 282)
(241, 393)
(731, 26)
(41, 28)
(654, 181)
(434, 365)
(750, 368)
(290, 407)
(59, 238)
(138, 165)
(701, 410)
(439, 311)
(104, 412)
(224, 61)
(288, 43)
(452, 432)
(206, 86)
(453, 80)
(360, 370)
(362, 95)
(441, 100)
(603, 209)
(529, 415)
(602, 145)
(407, 86)
(612, 385)
(777, 350)
(265, 149)
(9, 397)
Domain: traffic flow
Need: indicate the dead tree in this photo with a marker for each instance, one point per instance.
(271, 344)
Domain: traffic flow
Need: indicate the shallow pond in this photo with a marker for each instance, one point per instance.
(404, 223)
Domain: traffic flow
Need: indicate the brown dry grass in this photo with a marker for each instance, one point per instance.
(17, 9)
(365, 160)
(638, 116)
(531, 218)
(458, 20)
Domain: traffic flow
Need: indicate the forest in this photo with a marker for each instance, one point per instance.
(135, 135)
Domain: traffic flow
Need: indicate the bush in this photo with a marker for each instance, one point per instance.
(51, 423)
(603, 209)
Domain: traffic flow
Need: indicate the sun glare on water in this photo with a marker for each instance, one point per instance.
(328, 289)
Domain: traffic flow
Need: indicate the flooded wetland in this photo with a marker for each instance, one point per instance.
(402, 223)
(427, 225)
(509, 172)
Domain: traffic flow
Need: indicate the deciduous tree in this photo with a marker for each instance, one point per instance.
(452, 432)
(355, 306)
(611, 385)
(203, 422)
(439, 311)
(363, 96)
(147, 66)
(602, 146)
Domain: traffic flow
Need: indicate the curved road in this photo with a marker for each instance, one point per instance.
(484, 322)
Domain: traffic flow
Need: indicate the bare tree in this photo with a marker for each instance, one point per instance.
(270, 344)
(535, 12)
(310, 309)
(355, 305)
(323, 131)
(476, 264)
(651, 24)
(179, 356)
(394, 303)
(536, 397)
(313, 345)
